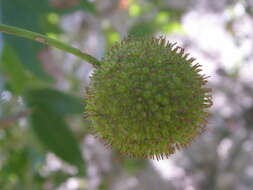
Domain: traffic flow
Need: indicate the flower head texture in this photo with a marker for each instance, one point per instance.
(148, 99)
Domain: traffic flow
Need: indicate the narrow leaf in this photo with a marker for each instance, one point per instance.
(57, 101)
(12, 67)
(54, 133)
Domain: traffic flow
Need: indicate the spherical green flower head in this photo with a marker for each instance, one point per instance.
(147, 99)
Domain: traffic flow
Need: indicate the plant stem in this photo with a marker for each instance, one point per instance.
(48, 41)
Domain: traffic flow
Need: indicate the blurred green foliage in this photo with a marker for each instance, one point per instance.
(49, 113)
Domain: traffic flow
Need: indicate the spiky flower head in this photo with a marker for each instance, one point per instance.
(147, 99)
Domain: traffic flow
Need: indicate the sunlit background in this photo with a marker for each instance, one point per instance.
(53, 149)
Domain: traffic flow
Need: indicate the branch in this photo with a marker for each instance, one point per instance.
(48, 41)
(235, 152)
(6, 122)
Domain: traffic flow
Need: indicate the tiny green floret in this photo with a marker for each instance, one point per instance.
(147, 99)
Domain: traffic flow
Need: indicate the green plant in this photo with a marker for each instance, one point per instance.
(146, 99)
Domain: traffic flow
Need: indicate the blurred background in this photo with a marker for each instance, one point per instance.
(45, 142)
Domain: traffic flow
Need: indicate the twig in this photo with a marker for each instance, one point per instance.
(235, 152)
(48, 41)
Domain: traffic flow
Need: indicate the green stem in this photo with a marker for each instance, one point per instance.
(48, 41)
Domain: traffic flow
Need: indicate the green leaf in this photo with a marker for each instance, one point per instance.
(49, 107)
(58, 102)
(25, 14)
(33, 15)
(12, 67)
(54, 133)
(17, 77)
